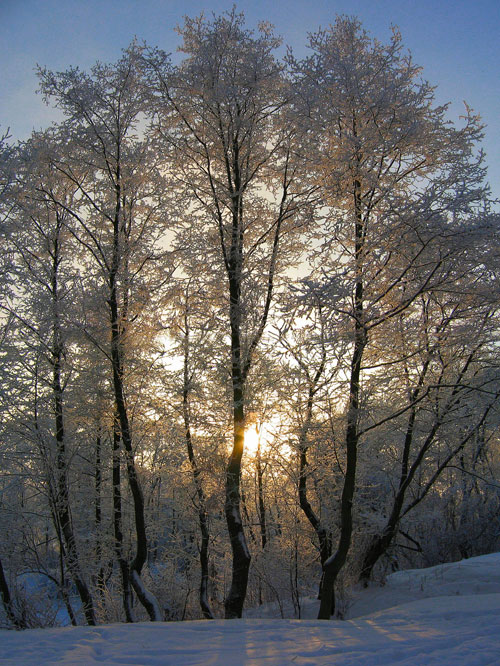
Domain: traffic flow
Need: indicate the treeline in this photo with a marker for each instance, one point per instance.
(299, 253)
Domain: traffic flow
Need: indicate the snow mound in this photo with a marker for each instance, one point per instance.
(462, 628)
(477, 575)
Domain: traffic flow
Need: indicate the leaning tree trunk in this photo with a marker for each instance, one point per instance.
(324, 540)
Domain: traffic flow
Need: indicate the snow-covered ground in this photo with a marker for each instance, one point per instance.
(449, 614)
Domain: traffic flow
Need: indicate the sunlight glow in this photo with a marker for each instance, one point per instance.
(258, 433)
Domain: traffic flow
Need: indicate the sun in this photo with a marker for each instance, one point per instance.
(258, 435)
(252, 440)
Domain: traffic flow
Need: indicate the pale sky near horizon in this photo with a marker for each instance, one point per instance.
(455, 41)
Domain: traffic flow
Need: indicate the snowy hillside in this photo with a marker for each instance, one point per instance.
(454, 618)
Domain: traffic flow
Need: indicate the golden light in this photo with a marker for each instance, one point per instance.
(258, 434)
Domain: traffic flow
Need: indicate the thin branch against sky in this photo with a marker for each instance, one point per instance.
(455, 41)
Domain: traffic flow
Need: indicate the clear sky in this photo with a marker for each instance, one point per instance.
(456, 41)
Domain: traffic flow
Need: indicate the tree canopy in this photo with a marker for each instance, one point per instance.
(301, 248)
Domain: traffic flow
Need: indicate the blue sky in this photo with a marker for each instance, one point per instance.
(456, 42)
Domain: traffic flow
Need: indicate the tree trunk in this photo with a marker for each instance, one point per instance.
(117, 526)
(146, 598)
(8, 603)
(204, 562)
(322, 534)
(202, 510)
(381, 542)
(62, 498)
(324, 540)
(261, 504)
(334, 564)
(100, 577)
(241, 555)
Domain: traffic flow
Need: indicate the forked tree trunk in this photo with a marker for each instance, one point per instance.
(321, 532)
(145, 597)
(382, 541)
(63, 587)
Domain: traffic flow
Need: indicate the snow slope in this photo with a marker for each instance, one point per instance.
(455, 620)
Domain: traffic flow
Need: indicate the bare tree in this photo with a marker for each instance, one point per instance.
(399, 182)
(119, 224)
(447, 361)
(220, 115)
(45, 284)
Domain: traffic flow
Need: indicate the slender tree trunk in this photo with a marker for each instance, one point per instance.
(62, 574)
(145, 596)
(202, 510)
(100, 577)
(381, 542)
(205, 539)
(98, 499)
(17, 622)
(62, 499)
(324, 539)
(261, 504)
(294, 575)
(335, 563)
(261, 510)
(117, 526)
(321, 532)
(62, 504)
